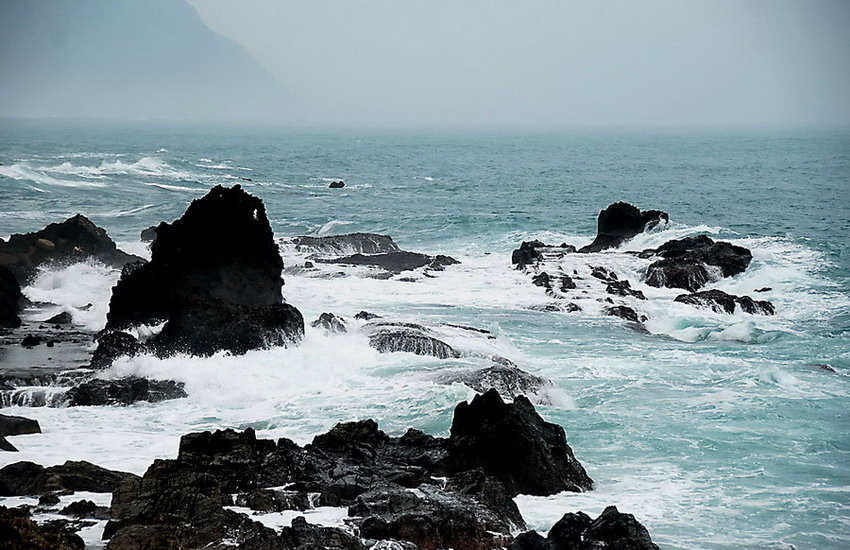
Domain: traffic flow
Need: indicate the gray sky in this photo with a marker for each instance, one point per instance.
(552, 63)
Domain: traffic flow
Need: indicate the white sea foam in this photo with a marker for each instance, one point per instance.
(22, 171)
(331, 226)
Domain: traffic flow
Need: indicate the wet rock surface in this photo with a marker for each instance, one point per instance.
(509, 380)
(576, 531)
(19, 532)
(214, 277)
(28, 478)
(387, 337)
(721, 302)
(123, 391)
(351, 243)
(330, 323)
(75, 240)
(692, 262)
(620, 222)
(18, 425)
(11, 299)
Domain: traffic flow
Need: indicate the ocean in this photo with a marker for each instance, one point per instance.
(716, 431)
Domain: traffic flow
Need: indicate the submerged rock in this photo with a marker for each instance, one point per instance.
(351, 243)
(75, 240)
(624, 312)
(721, 302)
(123, 391)
(330, 323)
(407, 337)
(620, 222)
(509, 380)
(395, 262)
(214, 277)
(511, 442)
(11, 299)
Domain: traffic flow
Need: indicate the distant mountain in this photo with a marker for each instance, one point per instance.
(126, 59)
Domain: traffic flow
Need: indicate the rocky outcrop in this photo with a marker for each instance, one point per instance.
(620, 222)
(721, 302)
(415, 488)
(28, 478)
(19, 532)
(394, 262)
(338, 184)
(511, 442)
(692, 262)
(111, 346)
(123, 391)
(625, 312)
(214, 277)
(18, 425)
(75, 240)
(389, 337)
(351, 243)
(530, 252)
(576, 531)
(11, 299)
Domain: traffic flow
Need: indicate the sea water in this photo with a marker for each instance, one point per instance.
(714, 430)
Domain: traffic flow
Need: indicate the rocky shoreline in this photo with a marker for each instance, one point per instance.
(412, 491)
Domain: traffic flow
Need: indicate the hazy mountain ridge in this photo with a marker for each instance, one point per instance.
(127, 59)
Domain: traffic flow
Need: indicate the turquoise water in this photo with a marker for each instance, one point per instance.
(716, 431)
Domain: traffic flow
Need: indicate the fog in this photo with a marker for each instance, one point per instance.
(536, 63)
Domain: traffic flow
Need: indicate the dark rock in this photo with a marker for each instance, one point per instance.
(548, 308)
(339, 184)
(393, 337)
(395, 262)
(488, 491)
(28, 478)
(209, 327)
(11, 299)
(440, 262)
(572, 308)
(31, 340)
(18, 425)
(63, 318)
(721, 302)
(111, 346)
(763, 289)
(123, 391)
(75, 240)
(148, 235)
(6, 446)
(308, 265)
(624, 312)
(85, 509)
(620, 222)
(603, 274)
(214, 276)
(48, 499)
(508, 380)
(274, 500)
(366, 316)
(576, 531)
(330, 323)
(19, 532)
(623, 288)
(351, 243)
(684, 262)
(431, 519)
(304, 536)
(542, 279)
(567, 283)
(527, 253)
(511, 442)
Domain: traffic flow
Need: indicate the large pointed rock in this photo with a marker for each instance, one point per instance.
(514, 444)
(620, 222)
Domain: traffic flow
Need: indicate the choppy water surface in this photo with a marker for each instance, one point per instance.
(716, 431)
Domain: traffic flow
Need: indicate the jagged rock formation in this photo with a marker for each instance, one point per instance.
(692, 262)
(389, 337)
(11, 299)
(351, 243)
(214, 277)
(576, 531)
(123, 391)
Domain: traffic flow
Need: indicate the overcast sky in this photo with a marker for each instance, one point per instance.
(560, 62)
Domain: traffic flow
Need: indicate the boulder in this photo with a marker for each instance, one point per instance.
(75, 240)
(304, 536)
(85, 509)
(509, 380)
(623, 288)
(407, 337)
(721, 302)
(214, 276)
(148, 235)
(18, 425)
(691, 262)
(330, 323)
(351, 243)
(366, 316)
(440, 262)
(620, 222)
(339, 184)
(624, 312)
(542, 279)
(6, 446)
(123, 391)
(63, 318)
(514, 444)
(527, 253)
(11, 299)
